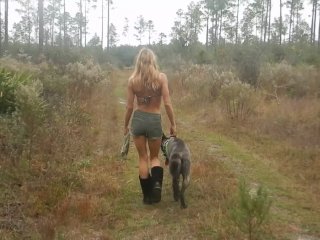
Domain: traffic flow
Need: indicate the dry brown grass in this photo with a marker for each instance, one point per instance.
(294, 123)
(75, 187)
(295, 120)
(284, 132)
(71, 179)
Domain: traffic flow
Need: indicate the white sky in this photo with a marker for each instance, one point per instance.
(161, 12)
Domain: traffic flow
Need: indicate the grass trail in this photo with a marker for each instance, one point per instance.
(217, 164)
(140, 221)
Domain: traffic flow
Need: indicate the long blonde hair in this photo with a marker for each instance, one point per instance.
(146, 72)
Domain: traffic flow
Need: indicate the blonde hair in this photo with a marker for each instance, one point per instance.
(146, 72)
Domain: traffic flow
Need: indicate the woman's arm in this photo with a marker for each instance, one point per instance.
(129, 108)
(167, 103)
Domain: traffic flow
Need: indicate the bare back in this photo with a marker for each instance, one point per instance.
(149, 100)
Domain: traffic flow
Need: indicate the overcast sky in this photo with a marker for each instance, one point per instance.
(161, 12)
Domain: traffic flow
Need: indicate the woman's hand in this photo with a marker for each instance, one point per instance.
(125, 131)
(173, 131)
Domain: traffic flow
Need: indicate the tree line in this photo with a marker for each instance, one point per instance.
(49, 23)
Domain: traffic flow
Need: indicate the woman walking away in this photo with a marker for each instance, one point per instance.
(148, 86)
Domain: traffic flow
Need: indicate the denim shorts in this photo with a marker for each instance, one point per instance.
(146, 124)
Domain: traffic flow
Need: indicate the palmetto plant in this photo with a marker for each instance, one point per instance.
(9, 83)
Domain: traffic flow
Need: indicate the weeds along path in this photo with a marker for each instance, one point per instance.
(295, 210)
(217, 164)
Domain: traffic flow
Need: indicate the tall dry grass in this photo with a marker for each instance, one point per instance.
(285, 110)
(63, 169)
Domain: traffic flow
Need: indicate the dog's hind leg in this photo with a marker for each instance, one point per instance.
(176, 188)
(175, 168)
(185, 184)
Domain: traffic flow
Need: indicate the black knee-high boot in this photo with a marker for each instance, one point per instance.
(157, 176)
(146, 187)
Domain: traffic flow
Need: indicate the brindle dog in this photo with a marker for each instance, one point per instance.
(178, 157)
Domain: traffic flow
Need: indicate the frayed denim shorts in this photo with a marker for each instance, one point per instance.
(146, 124)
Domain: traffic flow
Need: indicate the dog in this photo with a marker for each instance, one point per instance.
(178, 158)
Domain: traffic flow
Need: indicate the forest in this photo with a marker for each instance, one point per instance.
(244, 78)
(50, 28)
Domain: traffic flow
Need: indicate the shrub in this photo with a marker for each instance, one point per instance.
(7, 87)
(238, 100)
(247, 62)
(31, 110)
(282, 79)
(251, 209)
(204, 82)
(9, 83)
(87, 73)
(81, 78)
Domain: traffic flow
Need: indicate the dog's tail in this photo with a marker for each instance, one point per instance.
(175, 165)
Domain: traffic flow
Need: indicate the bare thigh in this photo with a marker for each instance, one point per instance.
(141, 146)
(154, 148)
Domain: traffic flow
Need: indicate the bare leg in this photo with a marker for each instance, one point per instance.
(140, 143)
(144, 177)
(154, 148)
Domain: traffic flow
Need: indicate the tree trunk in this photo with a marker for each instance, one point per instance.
(291, 21)
(52, 23)
(216, 29)
(64, 24)
(108, 33)
(40, 10)
(314, 21)
(237, 24)
(262, 23)
(80, 24)
(269, 20)
(280, 27)
(212, 30)
(29, 25)
(60, 26)
(207, 31)
(319, 31)
(0, 29)
(102, 18)
(6, 24)
(85, 23)
(266, 22)
(269, 25)
(220, 27)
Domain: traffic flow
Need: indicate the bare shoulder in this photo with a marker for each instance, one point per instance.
(130, 81)
(163, 77)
